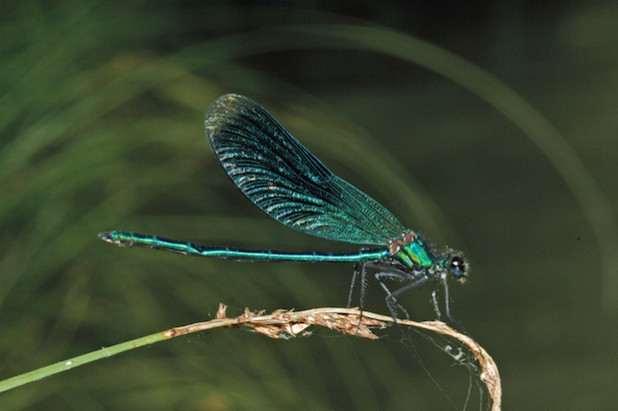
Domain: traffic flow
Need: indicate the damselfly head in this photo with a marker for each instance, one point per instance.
(458, 266)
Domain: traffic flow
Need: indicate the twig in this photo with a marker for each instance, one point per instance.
(348, 321)
(282, 324)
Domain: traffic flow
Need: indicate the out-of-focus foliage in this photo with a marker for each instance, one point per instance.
(101, 128)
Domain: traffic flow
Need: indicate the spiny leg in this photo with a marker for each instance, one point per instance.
(434, 298)
(362, 273)
(447, 306)
(354, 276)
(392, 296)
(363, 284)
(447, 299)
(391, 301)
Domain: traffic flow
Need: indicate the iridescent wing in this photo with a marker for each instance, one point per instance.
(287, 182)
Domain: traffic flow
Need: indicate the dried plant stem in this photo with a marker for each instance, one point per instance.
(347, 321)
(282, 324)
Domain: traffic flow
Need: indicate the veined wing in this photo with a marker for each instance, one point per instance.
(280, 176)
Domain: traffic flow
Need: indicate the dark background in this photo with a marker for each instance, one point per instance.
(506, 152)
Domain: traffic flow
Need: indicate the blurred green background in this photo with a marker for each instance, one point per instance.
(102, 128)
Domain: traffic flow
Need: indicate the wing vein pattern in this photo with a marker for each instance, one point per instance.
(286, 181)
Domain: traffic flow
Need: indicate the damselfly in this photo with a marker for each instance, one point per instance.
(286, 181)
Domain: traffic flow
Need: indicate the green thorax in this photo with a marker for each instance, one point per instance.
(412, 250)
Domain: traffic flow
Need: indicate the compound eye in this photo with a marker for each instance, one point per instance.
(458, 266)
